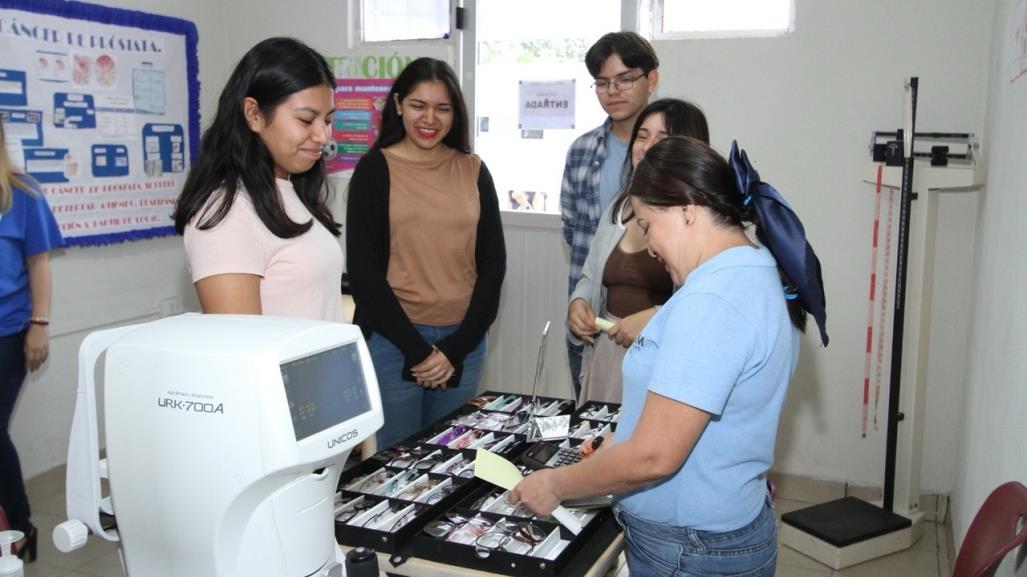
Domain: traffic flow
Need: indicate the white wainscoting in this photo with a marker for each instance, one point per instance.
(535, 291)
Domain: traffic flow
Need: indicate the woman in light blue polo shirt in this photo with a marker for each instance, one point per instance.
(705, 380)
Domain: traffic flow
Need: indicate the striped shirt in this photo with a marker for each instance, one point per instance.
(579, 195)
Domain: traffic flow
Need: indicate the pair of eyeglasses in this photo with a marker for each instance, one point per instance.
(414, 491)
(372, 482)
(390, 487)
(406, 518)
(481, 401)
(451, 435)
(621, 83)
(585, 429)
(439, 528)
(469, 531)
(399, 451)
(455, 466)
(418, 462)
(430, 462)
(440, 494)
(501, 421)
(354, 508)
(502, 507)
(466, 440)
(527, 533)
(392, 509)
(596, 412)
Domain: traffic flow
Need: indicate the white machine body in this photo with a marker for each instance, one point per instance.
(225, 436)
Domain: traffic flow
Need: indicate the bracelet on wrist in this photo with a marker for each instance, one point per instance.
(41, 321)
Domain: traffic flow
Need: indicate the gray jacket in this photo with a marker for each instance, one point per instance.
(590, 286)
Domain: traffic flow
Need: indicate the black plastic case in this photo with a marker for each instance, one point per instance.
(577, 555)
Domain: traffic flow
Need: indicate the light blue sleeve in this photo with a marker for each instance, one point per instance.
(704, 348)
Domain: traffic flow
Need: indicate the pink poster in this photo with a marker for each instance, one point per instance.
(358, 116)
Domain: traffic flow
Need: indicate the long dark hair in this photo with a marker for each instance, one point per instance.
(680, 171)
(680, 118)
(423, 70)
(231, 153)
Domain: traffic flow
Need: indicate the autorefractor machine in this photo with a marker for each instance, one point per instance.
(225, 439)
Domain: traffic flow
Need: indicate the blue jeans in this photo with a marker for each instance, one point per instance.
(12, 487)
(408, 407)
(660, 550)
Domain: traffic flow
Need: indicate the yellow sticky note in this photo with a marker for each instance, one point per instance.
(490, 467)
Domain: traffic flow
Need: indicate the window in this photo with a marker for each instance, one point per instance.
(534, 43)
(722, 18)
(385, 20)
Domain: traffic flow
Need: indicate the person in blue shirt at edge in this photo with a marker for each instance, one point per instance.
(624, 66)
(705, 380)
(28, 232)
(621, 281)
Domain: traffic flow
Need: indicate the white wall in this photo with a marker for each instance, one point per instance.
(992, 449)
(804, 107)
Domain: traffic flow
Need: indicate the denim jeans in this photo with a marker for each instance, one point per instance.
(660, 550)
(12, 487)
(408, 407)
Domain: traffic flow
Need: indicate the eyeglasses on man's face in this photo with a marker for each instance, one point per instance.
(621, 83)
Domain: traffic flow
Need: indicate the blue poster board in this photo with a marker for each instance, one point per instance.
(109, 160)
(102, 106)
(12, 88)
(73, 110)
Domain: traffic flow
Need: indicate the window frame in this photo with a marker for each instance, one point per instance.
(654, 9)
(356, 35)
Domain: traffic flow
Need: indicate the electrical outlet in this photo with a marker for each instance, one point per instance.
(170, 307)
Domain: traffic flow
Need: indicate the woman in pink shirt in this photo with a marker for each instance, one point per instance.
(259, 236)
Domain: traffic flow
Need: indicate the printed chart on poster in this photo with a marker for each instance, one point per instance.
(362, 84)
(101, 107)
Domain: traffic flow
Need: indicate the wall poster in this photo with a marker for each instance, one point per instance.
(101, 106)
(362, 84)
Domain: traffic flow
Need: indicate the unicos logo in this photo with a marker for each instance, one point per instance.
(332, 443)
(190, 406)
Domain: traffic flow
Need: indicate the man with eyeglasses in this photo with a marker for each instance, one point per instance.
(624, 66)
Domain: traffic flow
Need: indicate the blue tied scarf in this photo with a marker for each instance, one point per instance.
(785, 237)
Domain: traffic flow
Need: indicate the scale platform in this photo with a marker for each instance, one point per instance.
(848, 531)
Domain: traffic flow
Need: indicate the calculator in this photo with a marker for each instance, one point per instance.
(544, 455)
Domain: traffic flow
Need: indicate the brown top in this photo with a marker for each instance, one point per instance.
(634, 282)
(433, 222)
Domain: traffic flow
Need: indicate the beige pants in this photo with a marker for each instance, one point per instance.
(601, 369)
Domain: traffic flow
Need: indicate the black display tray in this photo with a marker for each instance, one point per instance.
(409, 540)
(386, 540)
(579, 553)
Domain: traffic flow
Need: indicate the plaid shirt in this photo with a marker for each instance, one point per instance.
(579, 195)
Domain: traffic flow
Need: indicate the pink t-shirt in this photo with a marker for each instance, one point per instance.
(300, 277)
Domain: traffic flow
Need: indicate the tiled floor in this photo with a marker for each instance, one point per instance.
(930, 556)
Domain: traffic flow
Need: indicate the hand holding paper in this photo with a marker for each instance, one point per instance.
(496, 470)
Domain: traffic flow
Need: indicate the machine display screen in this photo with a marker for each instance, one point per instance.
(325, 389)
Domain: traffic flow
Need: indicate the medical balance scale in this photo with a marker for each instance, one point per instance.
(848, 531)
(225, 439)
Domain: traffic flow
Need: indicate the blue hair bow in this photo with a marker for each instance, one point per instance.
(785, 236)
